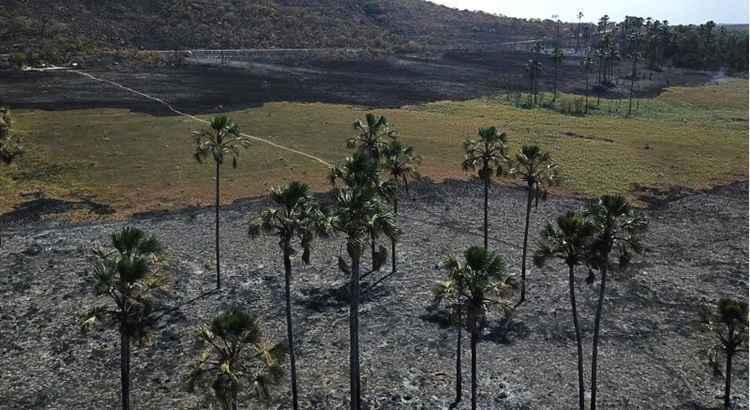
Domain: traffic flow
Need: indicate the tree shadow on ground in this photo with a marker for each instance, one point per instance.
(322, 299)
(36, 209)
(505, 331)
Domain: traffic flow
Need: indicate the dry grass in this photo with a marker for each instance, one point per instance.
(693, 137)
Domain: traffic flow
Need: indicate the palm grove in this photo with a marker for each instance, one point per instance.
(238, 364)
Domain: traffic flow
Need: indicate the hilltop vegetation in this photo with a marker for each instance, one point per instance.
(170, 24)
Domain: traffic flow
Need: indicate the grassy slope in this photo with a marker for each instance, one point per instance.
(692, 137)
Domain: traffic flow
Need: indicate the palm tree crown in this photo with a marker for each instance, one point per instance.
(400, 163)
(298, 216)
(235, 354)
(487, 155)
(569, 241)
(619, 228)
(127, 276)
(221, 139)
(371, 135)
(536, 168)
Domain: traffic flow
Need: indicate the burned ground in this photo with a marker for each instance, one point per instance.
(651, 352)
(380, 82)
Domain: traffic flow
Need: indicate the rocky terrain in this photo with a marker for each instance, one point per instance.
(651, 344)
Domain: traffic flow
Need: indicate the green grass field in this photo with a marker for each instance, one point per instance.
(693, 137)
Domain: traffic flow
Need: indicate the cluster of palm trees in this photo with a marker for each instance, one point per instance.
(237, 358)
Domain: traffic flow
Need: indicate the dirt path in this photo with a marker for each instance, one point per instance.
(180, 113)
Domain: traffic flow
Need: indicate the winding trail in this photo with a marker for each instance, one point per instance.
(183, 114)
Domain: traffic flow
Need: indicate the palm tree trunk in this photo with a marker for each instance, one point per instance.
(289, 331)
(587, 94)
(555, 96)
(474, 340)
(218, 259)
(525, 246)
(354, 381)
(728, 374)
(571, 281)
(597, 322)
(393, 241)
(125, 365)
(459, 374)
(486, 201)
(632, 85)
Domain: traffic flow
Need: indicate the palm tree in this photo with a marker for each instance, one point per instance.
(222, 139)
(729, 323)
(401, 164)
(488, 157)
(618, 229)
(127, 275)
(358, 211)
(535, 70)
(569, 242)
(298, 217)
(371, 136)
(477, 286)
(557, 58)
(11, 146)
(587, 63)
(236, 357)
(536, 168)
(360, 171)
(448, 291)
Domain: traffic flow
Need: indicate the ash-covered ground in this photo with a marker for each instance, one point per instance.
(206, 86)
(650, 356)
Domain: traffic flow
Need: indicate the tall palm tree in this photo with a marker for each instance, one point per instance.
(236, 358)
(618, 230)
(568, 241)
(401, 164)
(11, 146)
(128, 276)
(359, 210)
(537, 169)
(222, 139)
(479, 285)
(535, 69)
(371, 136)
(557, 58)
(298, 217)
(487, 156)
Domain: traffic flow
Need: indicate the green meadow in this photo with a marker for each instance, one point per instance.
(693, 137)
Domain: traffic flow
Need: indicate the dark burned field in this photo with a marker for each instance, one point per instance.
(651, 354)
(378, 82)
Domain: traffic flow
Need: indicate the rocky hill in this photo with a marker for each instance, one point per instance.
(171, 24)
